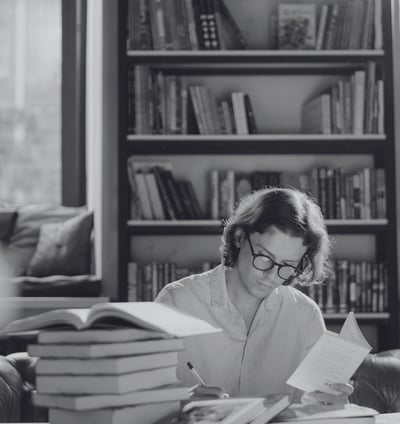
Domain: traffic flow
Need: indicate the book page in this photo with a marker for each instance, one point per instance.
(351, 330)
(333, 359)
(58, 317)
(153, 316)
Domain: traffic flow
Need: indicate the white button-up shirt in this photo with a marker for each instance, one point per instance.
(254, 362)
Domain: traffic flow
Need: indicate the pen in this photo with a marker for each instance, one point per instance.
(195, 373)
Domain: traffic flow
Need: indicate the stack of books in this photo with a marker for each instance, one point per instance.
(97, 368)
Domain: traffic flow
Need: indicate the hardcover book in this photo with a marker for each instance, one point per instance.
(104, 350)
(98, 334)
(327, 414)
(149, 315)
(221, 411)
(143, 414)
(106, 384)
(168, 393)
(117, 365)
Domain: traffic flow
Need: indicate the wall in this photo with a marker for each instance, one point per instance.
(102, 130)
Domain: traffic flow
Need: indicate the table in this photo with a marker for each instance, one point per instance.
(388, 418)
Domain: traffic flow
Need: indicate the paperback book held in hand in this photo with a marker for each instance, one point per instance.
(333, 359)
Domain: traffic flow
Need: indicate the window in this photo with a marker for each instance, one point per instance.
(42, 102)
(30, 104)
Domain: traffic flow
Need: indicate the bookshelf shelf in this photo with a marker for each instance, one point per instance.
(210, 226)
(257, 143)
(360, 316)
(281, 84)
(216, 56)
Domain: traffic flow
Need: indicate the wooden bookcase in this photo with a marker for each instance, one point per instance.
(279, 145)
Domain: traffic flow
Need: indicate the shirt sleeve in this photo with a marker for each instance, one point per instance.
(169, 296)
(316, 328)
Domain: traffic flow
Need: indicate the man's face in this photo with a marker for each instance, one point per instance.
(282, 248)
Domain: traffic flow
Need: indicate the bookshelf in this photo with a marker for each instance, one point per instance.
(279, 81)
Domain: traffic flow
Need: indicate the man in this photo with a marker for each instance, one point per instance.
(275, 238)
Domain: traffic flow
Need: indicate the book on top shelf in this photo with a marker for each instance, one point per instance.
(143, 414)
(148, 315)
(167, 393)
(296, 26)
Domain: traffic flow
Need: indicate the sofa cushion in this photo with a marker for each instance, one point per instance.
(377, 383)
(63, 248)
(22, 244)
(55, 286)
(7, 223)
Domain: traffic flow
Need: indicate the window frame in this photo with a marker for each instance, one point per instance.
(73, 75)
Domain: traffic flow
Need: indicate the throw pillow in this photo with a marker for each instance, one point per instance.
(63, 248)
(21, 247)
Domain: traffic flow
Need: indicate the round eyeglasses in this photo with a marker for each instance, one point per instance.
(285, 272)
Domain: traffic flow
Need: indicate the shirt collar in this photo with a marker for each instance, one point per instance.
(220, 297)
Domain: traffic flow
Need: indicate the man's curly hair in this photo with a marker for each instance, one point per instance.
(292, 212)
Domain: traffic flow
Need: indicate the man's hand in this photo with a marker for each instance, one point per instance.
(344, 390)
(202, 392)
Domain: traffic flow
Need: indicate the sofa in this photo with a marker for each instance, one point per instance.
(47, 251)
(376, 385)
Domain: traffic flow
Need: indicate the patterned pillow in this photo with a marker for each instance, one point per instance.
(64, 248)
(19, 250)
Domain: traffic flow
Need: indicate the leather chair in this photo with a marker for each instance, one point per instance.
(376, 384)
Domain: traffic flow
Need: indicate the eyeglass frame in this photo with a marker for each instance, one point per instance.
(297, 270)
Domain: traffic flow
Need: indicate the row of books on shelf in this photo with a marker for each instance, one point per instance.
(146, 280)
(156, 194)
(359, 286)
(210, 25)
(350, 106)
(340, 194)
(182, 25)
(160, 103)
(352, 24)
(164, 104)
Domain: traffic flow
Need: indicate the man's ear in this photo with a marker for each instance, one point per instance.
(239, 237)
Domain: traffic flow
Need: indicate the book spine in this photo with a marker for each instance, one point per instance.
(232, 25)
(154, 195)
(214, 194)
(321, 27)
(193, 34)
(144, 197)
(167, 205)
(194, 201)
(251, 119)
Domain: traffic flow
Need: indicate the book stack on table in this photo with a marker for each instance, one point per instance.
(114, 363)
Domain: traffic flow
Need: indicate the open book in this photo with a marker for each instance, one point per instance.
(348, 413)
(148, 315)
(333, 359)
